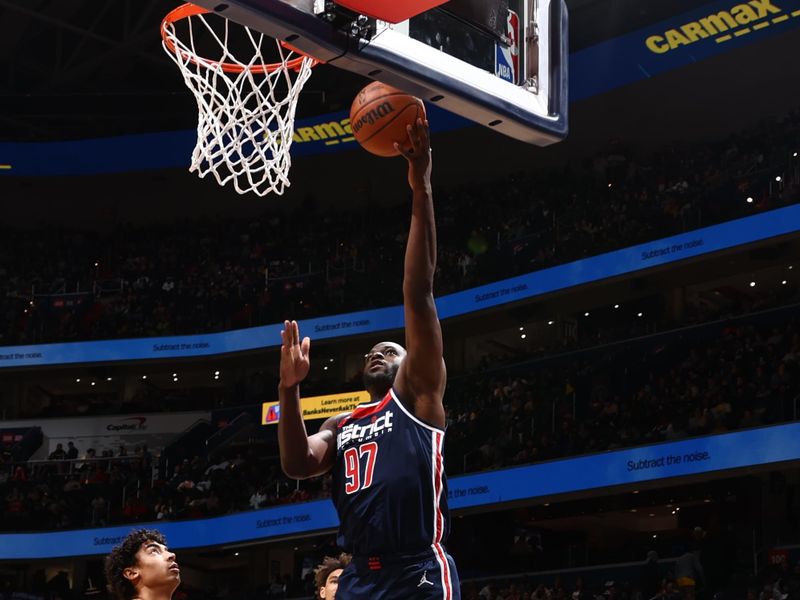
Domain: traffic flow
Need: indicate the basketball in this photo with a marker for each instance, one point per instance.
(379, 116)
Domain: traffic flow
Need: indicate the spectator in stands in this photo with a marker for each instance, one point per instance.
(651, 578)
(689, 574)
(99, 511)
(72, 484)
(72, 451)
(164, 511)
(58, 453)
(237, 273)
(88, 466)
(134, 509)
(258, 498)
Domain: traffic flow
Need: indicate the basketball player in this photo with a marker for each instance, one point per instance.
(326, 576)
(142, 567)
(389, 487)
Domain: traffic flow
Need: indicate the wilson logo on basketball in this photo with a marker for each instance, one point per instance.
(721, 26)
(372, 116)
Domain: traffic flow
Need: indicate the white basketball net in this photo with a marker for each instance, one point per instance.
(245, 108)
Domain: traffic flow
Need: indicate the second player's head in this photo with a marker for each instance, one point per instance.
(326, 576)
(142, 567)
(381, 364)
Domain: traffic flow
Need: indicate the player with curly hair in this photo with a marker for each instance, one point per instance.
(326, 576)
(142, 567)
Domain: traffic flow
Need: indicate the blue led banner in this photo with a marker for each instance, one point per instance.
(624, 467)
(627, 260)
(739, 449)
(320, 134)
(687, 38)
(287, 520)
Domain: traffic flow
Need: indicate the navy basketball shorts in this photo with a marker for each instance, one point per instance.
(429, 575)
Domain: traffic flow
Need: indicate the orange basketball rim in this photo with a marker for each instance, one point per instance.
(187, 10)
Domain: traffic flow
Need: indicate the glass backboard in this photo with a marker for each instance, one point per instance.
(500, 63)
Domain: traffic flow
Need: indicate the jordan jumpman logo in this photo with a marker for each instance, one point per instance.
(424, 579)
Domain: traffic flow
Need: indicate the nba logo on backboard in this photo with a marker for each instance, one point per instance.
(506, 59)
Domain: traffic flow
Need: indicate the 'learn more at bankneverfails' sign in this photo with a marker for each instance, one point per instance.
(316, 407)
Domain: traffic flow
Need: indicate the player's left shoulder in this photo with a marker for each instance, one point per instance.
(425, 405)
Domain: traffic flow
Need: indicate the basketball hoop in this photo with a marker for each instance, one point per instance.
(246, 106)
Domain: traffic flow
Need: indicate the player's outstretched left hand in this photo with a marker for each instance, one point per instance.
(295, 362)
(418, 154)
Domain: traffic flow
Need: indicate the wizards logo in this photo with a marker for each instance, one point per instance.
(273, 414)
(506, 58)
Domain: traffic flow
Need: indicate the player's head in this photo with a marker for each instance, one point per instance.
(326, 576)
(380, 366)
(142, 562)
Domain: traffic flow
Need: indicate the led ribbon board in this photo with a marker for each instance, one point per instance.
(741, 449)
(730, 234)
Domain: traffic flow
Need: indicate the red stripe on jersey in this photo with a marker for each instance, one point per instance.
(366, 411)
(438, 517)
(447, 582)
(437, 490)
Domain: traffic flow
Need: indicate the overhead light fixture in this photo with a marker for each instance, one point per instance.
(616, 306)
(523, 336)
(522, 329)
(586, 314)
(93, 384)
(144, 376)
(216, 372)
(778, 179)
(639, 314)
(550, 322)
(78, 380)
(749, 199)
(783, 282)
(752, 284)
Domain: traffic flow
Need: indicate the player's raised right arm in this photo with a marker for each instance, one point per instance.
(302, 456)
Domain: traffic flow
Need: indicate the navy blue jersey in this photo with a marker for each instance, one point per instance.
(389, 485)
